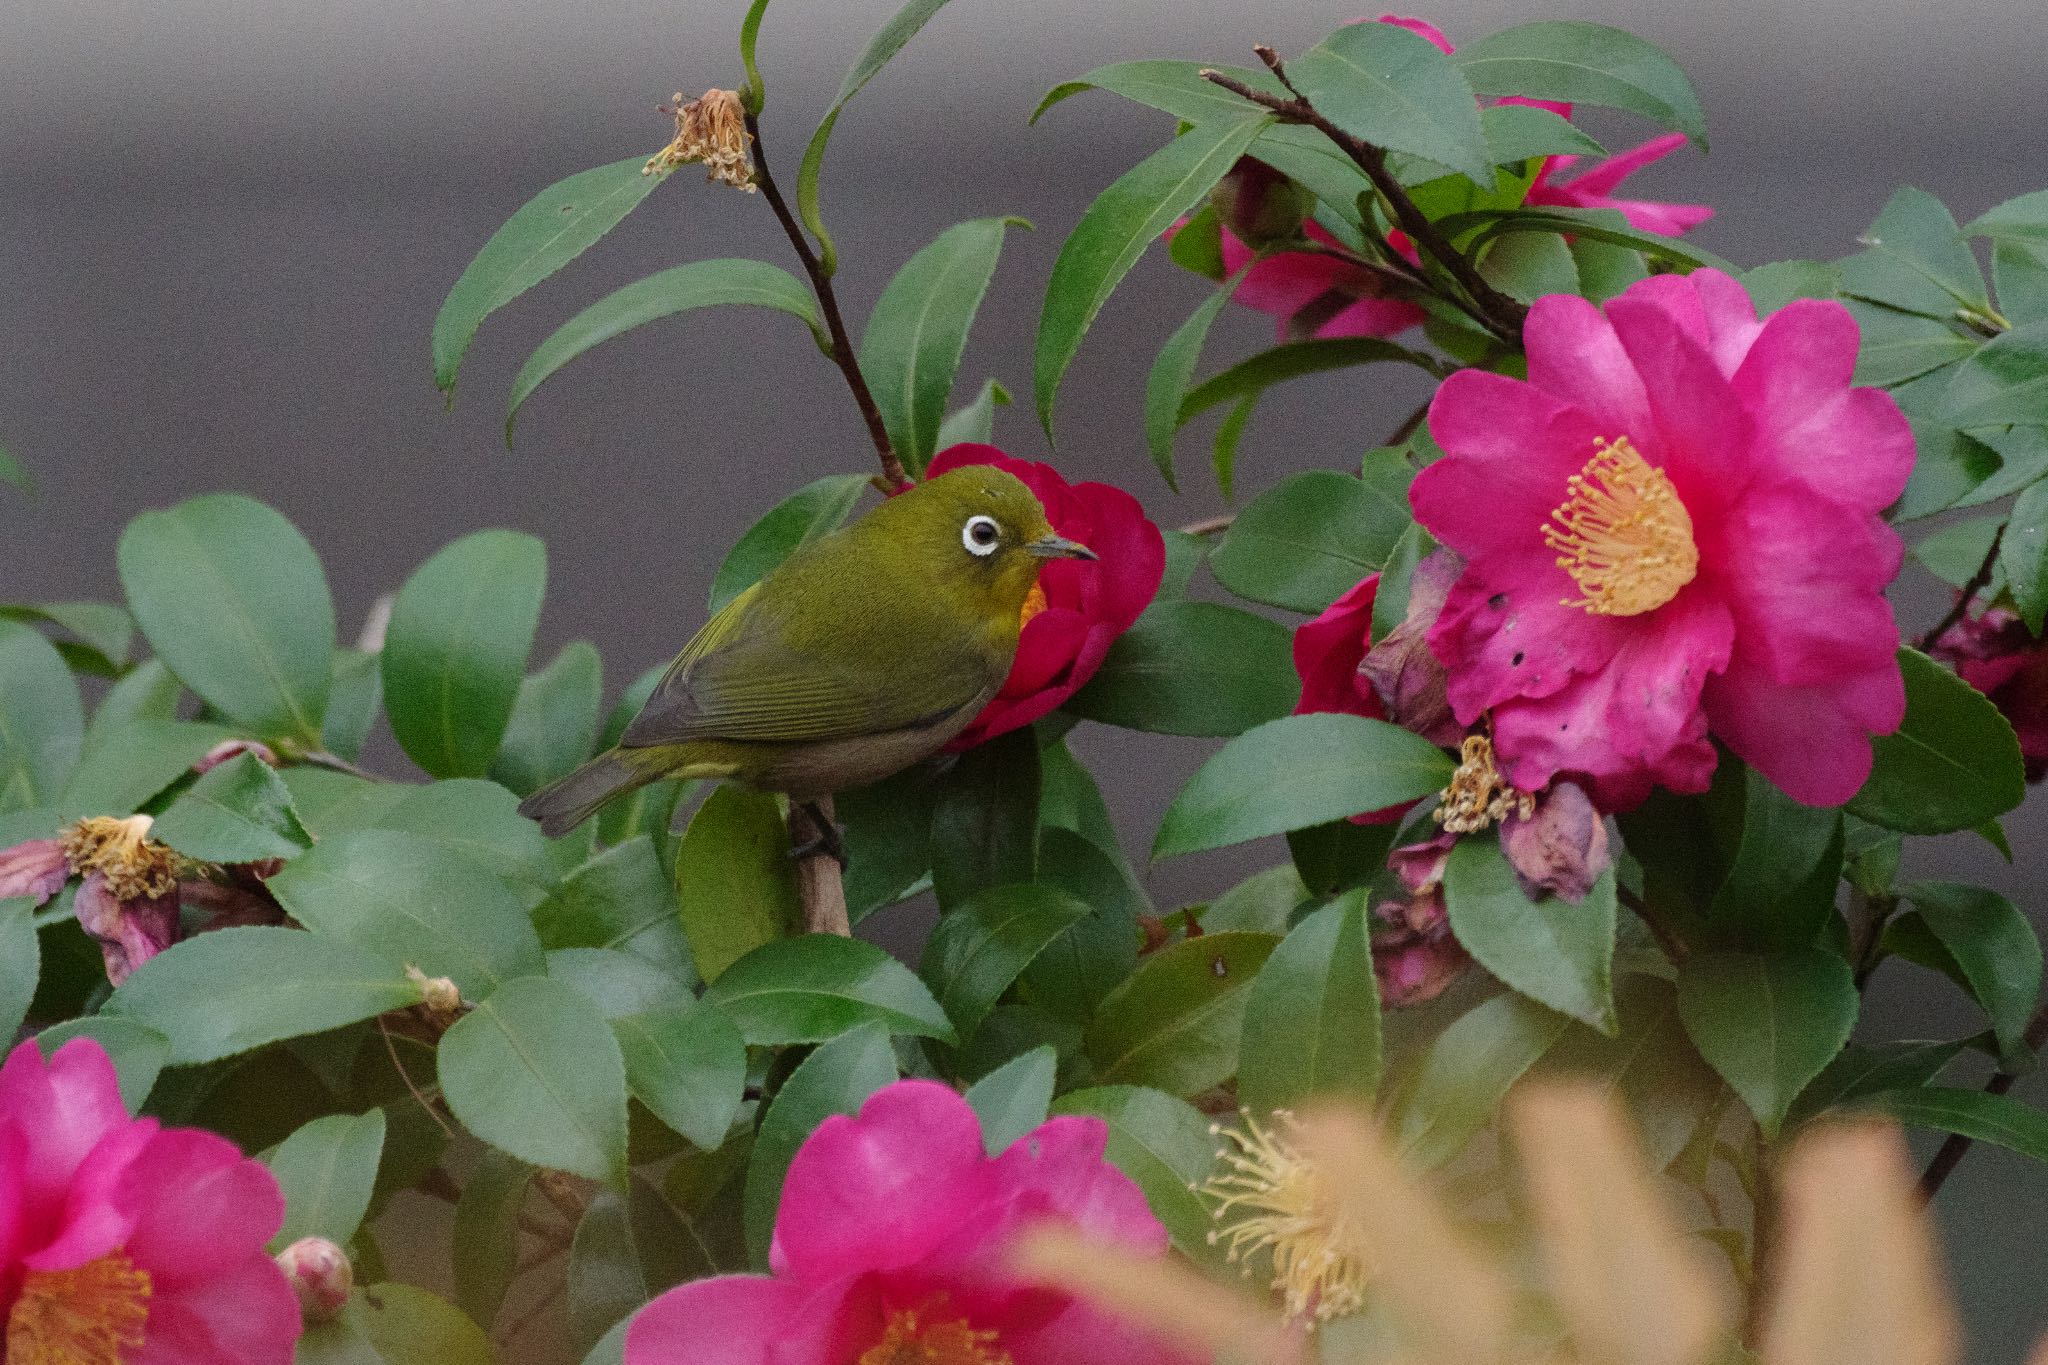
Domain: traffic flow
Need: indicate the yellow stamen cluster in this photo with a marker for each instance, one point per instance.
(1270, 1198)
(711, 129)
(135, 866)
(92, 1315)
(1622, 533)
(920, 1336)
(1478, 795)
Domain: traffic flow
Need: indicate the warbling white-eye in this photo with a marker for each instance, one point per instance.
(862, 653)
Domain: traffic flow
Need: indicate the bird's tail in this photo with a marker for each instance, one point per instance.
(567, 802)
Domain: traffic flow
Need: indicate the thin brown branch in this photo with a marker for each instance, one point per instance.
(1978, 582)
(1958, 1145)
(533, 1314)
(821, 882)
(1503, 315)
(1660, 929)
(828, 303)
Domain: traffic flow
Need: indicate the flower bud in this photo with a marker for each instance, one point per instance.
(35, 869)
(1560, 847)
(438, 993)
(1407, 678)
(320, 1275)
(1995, 653)
(1258, 204)
(710, 129)
(1414, 955)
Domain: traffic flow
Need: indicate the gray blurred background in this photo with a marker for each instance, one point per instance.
(226, 225)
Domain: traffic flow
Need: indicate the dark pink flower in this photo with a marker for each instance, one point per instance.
(892, 1245)
(1400, 669)
(1671, 529)
(1414, 956)
(129, 932)
(1594, 187)
(1081, 606)
(1328, 651)
(1561, 847)
(125, 1243)
(1994, 652)
(36, 869)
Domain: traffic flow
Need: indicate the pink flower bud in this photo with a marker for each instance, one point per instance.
(320, 1275)
(1258, 204)
(1407, 678)
(1995, 653)
(35, 869)
(227, 749)
(1561, 848)
(130, 932)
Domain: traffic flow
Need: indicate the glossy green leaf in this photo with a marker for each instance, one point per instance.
(2019, 274)
(688, 1065)
(917, 331)
(402, 1325)
(42, 721)
(534, 1071)
(1309, 539)
(1118, 228)
(233, 599)
(1778, 283)
(355, 696)
(326, 1170)
(1193, 668)
(835, 1079)
(2003, 382)
(817, 986)
(812, 511)
(1166, 387)
(977, 420)
(1456, 1086)
(1915, 232)
(1951, 765)
(1087, 961)
(1768, 1022)
(231, 990)
(1521, 132)
(735, 880)
(1295, 772)
(1581, 63)
(1994, 946)
(478, 822)
(147, 691)
(238, 812)
(486, 1237)
(1167, 1149)
(101, 631)
(1176, 88)
(124, 766)
(20, 961)
(1782, 876)
(1229, 432)
(1549, 949)
(888, 835)
(553, 725)
(1607, 226)
(1291, 360)
(1339, 855)
(1175, 1024)
(736, 282)
(1897, 347)
(627, 1249)
(985, 818)
(1312, 1020)
(1865, 1069)
(1998, 1119)
(619, 984)
(1394, 89)
(549, 231)
(1013, 1099)
(1948, 467)
(400, 894)
(137, 1051)
(1528, 265)
(985, 942)
(756, 92)
(623, 900)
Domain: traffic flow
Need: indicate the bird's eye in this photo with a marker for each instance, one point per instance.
(980, 535)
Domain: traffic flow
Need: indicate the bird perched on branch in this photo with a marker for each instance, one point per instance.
(864, 652)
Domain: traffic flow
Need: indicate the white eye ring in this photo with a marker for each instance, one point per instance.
(980, 535)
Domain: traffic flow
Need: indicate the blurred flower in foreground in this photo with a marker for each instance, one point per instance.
(1269, 1199)
(126, 1243)
(1671, 528)
(1995, 653)
(892, 1247)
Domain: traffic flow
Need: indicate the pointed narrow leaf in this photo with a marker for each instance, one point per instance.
(1549, 949)
(985, 818)
(976, 421)
(1175, 1023)
(1012, 1100)
(1455, 1088)
(1172, 372)
(1998, 1119)
(1193, 668)
(835, 1079)
(982, 945)
(20, 961)
(796, 521)
(1952, 764)
(817, 986)
(1768, 1023)
(42, 721)
(238, 812)
(1396, 90)
(2005, 381)
(1176, 88)
(327, 1170)
(549, 231)
(1994, 946)
(1312, 1021)
(1581, 63)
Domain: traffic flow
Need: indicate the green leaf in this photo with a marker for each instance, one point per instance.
(1396, 90)
(1193, 668)
(553, 725)
(549, 231)
(1915, 232)
(1174, 87)
(985, 820)
(398, 1324)
(835, 1079)
(1296, 772)
(102, 631)
(1768, 1023)
(233, 599)
(817, 986)
(238, 812)
(1291, 360)
(1897, 347)
(756, 93)
(627, 1249)
(1308, 540)
(888, 835)
(1166, 387)
(534, 1071)
(1528, 265)
(1778, 283)
(1339, 855)
(486, 1239)
(1998, 1119)
(887, 42)
(20, 961)
(145, 692)
(42, 721)
(1175, 1023)
(1117, 229)
(124, 766)
(812, 511)
(1948, 467)
(1167, 1148)
(735, 880)
(455, 653)
(737, 282)
(2004, 382)
(1865, 1069)
(688, 1065)
(1013, 1099)
(1082, 965)
(1952, 764)
(1312, 1019)
(327, 1170)
(1523, 132)
(623, 900)
(1229, 432)
(1390, 600)
(983, 944)
(1197, 246)
(1995, 948)
(479, 822)
(1549, 949)
(619, 984)
(1649, 1065)
(1456, 1085)
(1607, 226)
(977, 421)
(355, 694)
(137, 1051)
(911, 348)
(1581, 63)
(2019, 272)
(231, 990)
(400, 894)
(1782, 878)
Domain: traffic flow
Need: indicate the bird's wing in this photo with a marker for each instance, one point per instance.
(738, 680)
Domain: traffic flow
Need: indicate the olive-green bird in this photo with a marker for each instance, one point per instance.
(864, 652)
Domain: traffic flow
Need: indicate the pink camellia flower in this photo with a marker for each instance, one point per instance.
(1671, 529)
(124, 1243)
(892, 1245)
(1993, 652)
(1328, 651)
(1079, 607)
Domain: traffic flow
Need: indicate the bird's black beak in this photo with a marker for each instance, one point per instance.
(1059, 547)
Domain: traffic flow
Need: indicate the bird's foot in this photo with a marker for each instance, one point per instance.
(828, 837)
